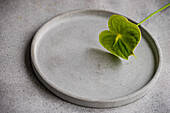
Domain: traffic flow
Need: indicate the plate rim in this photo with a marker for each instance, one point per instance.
(84, 101)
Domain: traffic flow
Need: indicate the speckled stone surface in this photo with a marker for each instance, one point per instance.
(21, 92)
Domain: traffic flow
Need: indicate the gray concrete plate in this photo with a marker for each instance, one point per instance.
(70, 62)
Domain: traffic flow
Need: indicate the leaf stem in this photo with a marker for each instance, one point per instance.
(154, 13)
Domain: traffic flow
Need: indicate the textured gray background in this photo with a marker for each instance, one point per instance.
(21, 92)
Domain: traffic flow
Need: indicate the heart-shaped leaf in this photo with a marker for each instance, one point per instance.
(121, 38)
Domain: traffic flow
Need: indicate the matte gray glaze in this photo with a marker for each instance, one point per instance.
(70, 62)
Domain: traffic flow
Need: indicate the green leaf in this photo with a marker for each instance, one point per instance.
(121, 38)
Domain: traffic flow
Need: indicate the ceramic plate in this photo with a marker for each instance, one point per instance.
(69, 60)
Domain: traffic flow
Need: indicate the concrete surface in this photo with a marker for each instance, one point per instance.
(21, 92)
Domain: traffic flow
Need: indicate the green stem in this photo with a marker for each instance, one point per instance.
(154, 13)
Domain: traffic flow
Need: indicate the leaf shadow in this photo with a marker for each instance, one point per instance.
(103, 59)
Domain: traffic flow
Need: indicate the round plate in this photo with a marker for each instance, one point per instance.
(69, 60)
